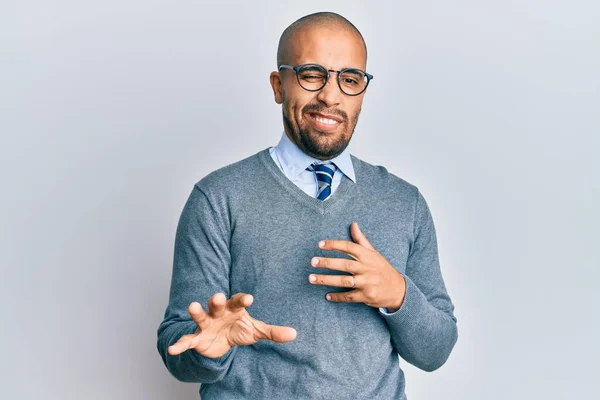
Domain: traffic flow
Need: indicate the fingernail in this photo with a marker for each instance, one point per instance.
(312, 278)
(328, 296)
(321, 243)
(315, 261)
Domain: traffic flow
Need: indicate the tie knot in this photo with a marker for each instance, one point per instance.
(327, 167)
(324, 173)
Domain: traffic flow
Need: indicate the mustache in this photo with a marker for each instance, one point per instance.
(317, 108)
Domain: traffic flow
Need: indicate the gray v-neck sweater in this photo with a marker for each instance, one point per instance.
(247, 228)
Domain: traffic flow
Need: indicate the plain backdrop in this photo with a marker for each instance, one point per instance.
(111, 110)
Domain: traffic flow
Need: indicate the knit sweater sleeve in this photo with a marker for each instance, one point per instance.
(201, 267)
(424, 329)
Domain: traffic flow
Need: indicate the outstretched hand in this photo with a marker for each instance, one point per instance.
(227, 324)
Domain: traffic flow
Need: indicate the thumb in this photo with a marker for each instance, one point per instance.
(276, 333)
(360, 237)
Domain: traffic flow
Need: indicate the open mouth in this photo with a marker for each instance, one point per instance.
(324, 122)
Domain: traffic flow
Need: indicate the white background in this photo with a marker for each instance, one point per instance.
(111, 110)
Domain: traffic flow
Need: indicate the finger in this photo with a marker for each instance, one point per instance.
(197, 313)
(360, 237)
(354, 250)
(239, 301)
(216, 305)
(276, 333)
(352, 296)
(337, 264)
(184, 343)
(344, 281)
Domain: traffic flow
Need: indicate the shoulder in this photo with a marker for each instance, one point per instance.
(231, 177)
(379, 176)
(393, 190)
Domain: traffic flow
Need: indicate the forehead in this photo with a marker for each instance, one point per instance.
(332, 47)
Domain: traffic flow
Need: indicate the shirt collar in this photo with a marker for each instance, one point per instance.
(294, 161)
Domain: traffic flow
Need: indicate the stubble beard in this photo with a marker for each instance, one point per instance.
(319, 144)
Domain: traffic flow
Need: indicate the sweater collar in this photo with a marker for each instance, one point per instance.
(294, 161)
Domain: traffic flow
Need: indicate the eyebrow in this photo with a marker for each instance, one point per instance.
(356, 68)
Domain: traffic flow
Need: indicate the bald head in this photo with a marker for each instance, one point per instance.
(317, 20)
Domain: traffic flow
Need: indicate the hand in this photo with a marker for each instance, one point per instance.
(227, 324)
(375, 281)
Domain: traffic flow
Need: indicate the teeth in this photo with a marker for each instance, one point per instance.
(326, 120)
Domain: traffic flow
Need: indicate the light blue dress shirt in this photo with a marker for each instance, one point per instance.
(293, 162)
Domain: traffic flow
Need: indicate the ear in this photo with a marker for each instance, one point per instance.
(277, 86)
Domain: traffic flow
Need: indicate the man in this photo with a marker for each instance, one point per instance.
(317, 268)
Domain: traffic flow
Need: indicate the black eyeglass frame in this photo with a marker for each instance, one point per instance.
(339, 73)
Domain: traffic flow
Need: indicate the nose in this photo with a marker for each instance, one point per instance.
(331, 94)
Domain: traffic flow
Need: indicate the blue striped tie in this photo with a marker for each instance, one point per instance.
(324, 174)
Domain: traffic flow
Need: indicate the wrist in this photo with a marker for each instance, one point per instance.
(398, 301)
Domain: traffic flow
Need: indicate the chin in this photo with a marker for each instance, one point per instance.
(325, 151)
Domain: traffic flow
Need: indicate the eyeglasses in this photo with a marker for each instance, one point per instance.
(314, 77)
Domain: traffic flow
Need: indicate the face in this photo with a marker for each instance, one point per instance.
(320, 123)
